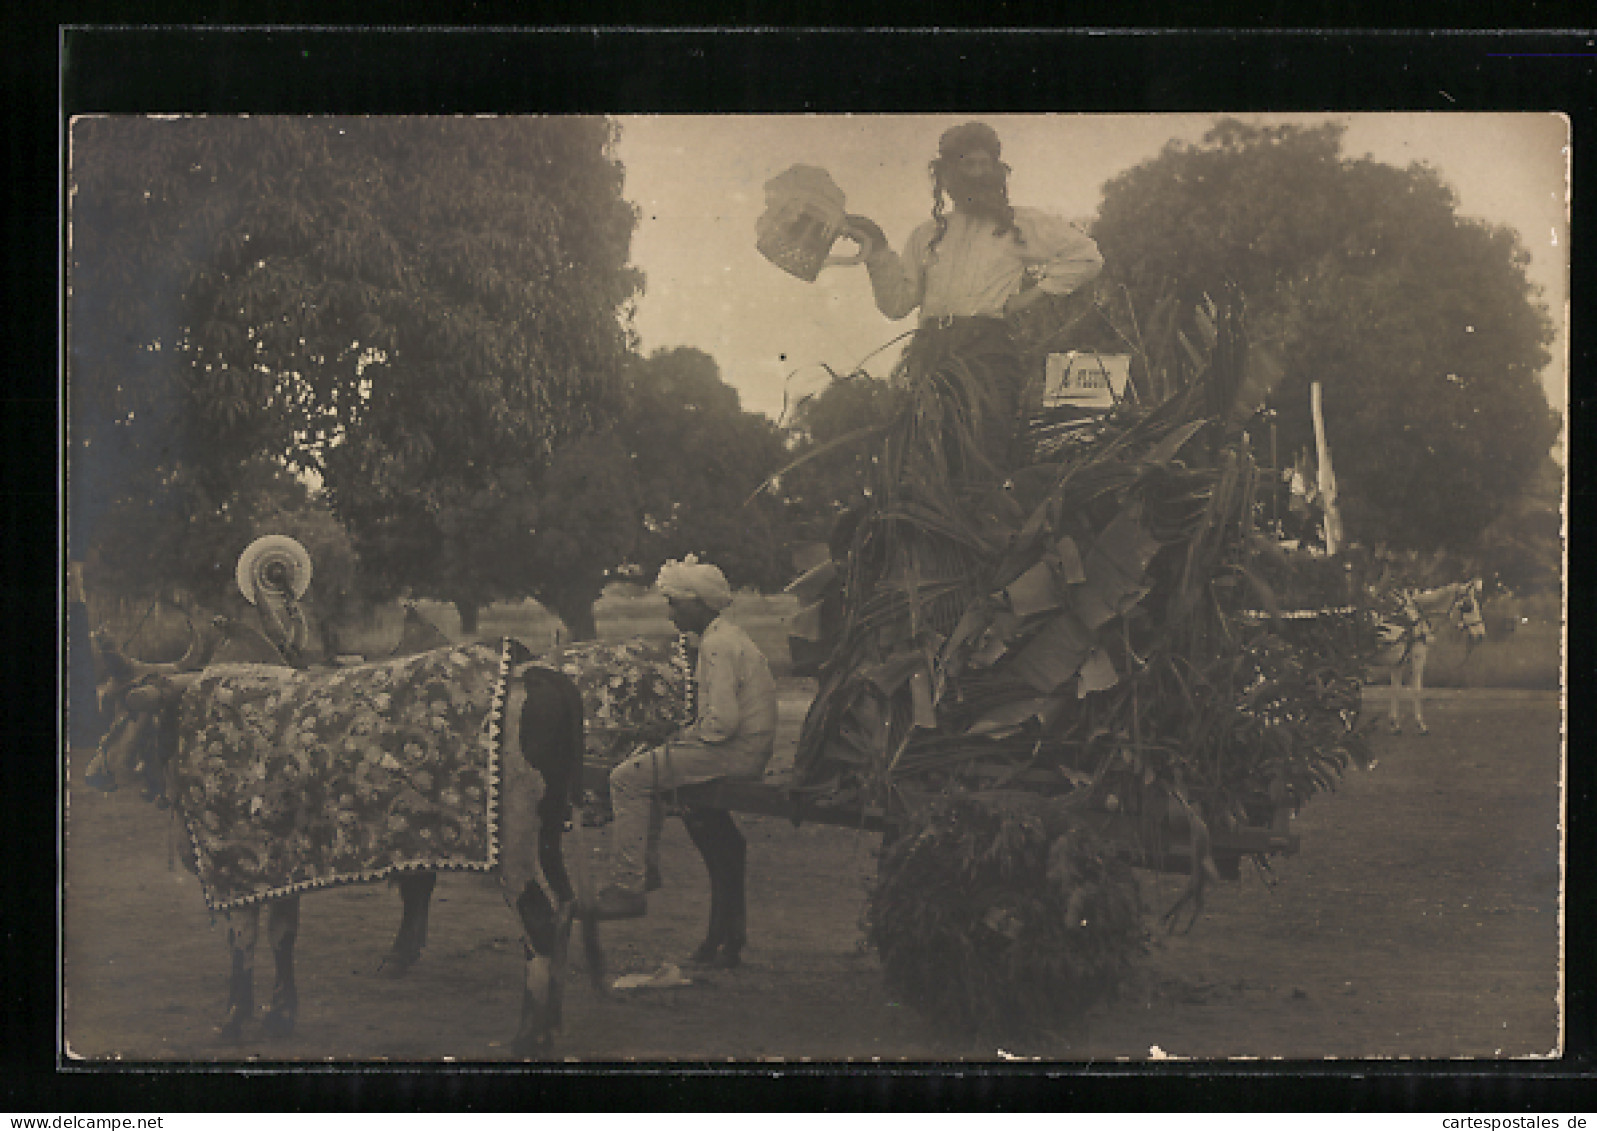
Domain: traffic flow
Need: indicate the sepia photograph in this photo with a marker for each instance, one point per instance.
(982, 587)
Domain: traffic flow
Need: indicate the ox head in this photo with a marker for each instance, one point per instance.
(122, 670)
(135, 695)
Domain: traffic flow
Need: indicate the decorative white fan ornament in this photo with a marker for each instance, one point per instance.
(255, 566)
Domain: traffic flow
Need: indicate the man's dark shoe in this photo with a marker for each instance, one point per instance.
(617, 903)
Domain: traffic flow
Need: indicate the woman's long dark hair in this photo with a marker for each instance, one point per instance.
(1005, 212)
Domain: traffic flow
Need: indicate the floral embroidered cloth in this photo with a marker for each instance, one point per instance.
(634, 692)
(294, 780)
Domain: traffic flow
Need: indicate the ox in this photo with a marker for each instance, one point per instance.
(195, 720)
(1406, 628)
(636, 693)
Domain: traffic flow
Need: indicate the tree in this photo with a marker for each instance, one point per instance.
(817, 491)
(1523, 549)
(142, 553)
(1420, 323)
(421, 312)
(698, 458)
(586, 525)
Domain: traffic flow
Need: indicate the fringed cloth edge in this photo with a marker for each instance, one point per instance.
(294, 781)
(281, 773)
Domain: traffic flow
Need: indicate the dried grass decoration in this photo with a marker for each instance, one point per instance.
(996, 915)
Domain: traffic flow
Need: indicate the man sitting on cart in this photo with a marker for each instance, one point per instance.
(732, 737)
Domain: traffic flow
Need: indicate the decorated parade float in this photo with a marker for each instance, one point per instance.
(1050, 648)
(1051, 660)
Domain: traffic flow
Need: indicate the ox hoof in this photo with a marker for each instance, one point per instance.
(279, 1023)
(1424, 729)
(652, 880)
(705, 955)
(1395, 729)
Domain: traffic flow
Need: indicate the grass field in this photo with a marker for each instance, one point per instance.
(1528, 658)
(1420, 918)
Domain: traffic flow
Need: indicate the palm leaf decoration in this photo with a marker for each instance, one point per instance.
(1067, 607)
(1044, 633)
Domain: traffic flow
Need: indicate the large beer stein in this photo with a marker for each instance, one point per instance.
(804, 216)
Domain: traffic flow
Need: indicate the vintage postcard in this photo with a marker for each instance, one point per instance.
(978, 586)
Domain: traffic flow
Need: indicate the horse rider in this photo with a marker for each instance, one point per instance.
(969, 271)
(732, 737)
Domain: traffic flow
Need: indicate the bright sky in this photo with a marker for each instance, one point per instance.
(698, 182)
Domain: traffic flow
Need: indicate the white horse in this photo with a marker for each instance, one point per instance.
(1406, 631)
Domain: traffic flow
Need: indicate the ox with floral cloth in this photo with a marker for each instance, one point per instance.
(731, 738)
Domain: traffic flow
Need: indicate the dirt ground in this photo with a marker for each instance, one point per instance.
(1421, 919)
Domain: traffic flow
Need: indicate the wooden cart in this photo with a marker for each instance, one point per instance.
(1227, 847)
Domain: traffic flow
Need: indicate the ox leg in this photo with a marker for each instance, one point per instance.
(724, 850)
(551, 739)
(1417, 686)
(241, 935)
(553, 813)
(415, 893)
(521, 879)
(282, 928)
(547, 933)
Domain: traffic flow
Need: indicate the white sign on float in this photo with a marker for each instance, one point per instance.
(1086, 380)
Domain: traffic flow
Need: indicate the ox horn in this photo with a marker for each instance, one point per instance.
(123, 668)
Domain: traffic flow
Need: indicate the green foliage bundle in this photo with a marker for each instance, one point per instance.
(1083, 621)
(1069, 615)
(991, 916)
(1299, 579)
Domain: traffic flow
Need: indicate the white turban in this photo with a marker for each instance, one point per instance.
(689, 579)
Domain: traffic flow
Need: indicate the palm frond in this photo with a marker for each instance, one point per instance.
(1105, 581)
